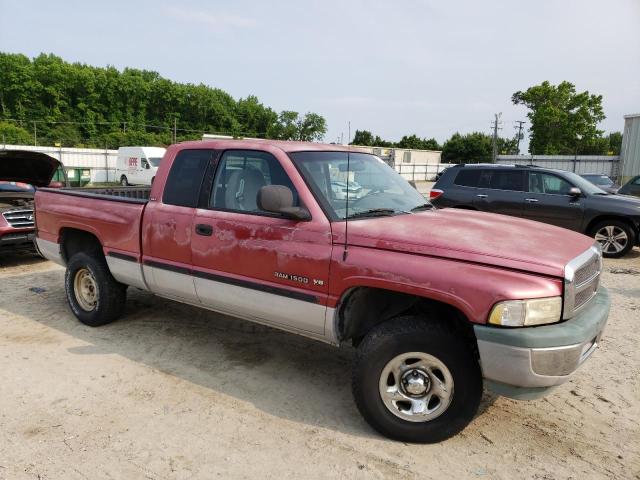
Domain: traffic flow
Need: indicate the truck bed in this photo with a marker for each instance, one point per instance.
(128, 193)
(112, 214)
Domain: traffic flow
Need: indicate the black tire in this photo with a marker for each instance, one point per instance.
(124, 181)
(435, 338)
(111, 294)
(608, 249)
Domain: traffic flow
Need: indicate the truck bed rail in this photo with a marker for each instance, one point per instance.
(118, 194)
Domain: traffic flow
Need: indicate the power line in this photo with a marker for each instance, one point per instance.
(125, 124)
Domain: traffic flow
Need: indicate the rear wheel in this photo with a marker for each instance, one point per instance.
(123, 181)
(615, 237)
(94, 296)
(416, 380)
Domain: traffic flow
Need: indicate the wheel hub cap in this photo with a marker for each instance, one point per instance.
(416, 386)
(612, 239)
(86, 289)
(415, 382)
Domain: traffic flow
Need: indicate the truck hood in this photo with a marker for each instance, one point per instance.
(471, 236)
(25, 166)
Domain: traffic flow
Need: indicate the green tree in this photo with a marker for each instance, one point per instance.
(291, 126)
(415, 142)
(14, 135)
(615, 143)
(79, 104)
(311, 127)
(473, 147)
(563, 121)
(363, 137)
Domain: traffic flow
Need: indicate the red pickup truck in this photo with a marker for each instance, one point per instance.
(439, 303)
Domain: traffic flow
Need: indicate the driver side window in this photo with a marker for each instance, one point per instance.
(240, 176)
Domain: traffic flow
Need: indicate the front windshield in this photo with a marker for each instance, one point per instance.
(154, 161)
(584, 185)
(599, 180)
(373, 186)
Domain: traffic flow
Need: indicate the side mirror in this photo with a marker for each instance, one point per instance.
(575, 192)
(55, 185)
(279, 199)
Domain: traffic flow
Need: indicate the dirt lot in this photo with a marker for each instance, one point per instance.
(175, 392)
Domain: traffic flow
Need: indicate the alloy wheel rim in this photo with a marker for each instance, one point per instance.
(613, 239)
(416, 386)
(85, 289)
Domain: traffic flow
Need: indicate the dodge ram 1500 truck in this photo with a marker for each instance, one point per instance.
(439, 303)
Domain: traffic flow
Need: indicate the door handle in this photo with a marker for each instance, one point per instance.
(481, 195)
(204, 229)
(531, 200)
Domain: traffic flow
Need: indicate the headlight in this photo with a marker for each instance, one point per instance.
(524, 313)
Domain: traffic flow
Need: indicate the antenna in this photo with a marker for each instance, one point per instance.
(346, 215)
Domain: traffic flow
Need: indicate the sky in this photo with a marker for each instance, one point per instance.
(400, 67)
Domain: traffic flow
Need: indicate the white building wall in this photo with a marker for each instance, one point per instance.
(97, 164)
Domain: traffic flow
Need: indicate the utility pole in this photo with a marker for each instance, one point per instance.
(175, 130)
(124, 127)
(35, 135)
(494, 141)
(519, 135)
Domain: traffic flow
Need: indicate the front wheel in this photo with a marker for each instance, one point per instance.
(615, 237)
(123, 181)
(417, 380)
(95, 297)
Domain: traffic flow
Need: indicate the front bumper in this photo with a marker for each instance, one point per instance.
(17, 240)
(526, 363)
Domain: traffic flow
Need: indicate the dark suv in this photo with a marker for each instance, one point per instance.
(546, 195)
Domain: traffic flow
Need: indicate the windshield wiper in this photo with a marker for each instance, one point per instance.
(374, 212)
(424, 206)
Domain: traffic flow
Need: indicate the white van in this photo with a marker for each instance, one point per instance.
(138, 165)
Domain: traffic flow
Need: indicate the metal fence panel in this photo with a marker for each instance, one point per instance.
(580, 164)
(420, 173)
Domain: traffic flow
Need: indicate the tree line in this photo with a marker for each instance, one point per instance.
(49, 100)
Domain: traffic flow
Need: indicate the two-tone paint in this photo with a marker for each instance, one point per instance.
(295, 275)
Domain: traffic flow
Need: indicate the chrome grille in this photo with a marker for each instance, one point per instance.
(582, 279)
(587, 272)
(19, 218)
(583, 296)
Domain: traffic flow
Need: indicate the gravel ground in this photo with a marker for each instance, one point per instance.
(172, 391)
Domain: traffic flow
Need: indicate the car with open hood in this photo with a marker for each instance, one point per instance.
(21, 172)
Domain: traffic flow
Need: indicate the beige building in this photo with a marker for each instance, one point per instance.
(405, 156)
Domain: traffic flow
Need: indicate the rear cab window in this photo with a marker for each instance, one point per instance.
(186, 177)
